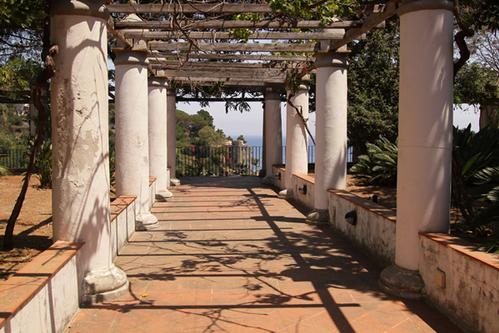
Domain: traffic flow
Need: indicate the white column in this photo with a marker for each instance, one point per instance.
(132, 139)
(157, 136)
(171, 101)
(425, 133)
(296, 135)
(331, 131)
(80, 145)
(272, 131)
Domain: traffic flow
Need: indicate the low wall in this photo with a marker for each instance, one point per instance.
(375, 228)
(461, 281)
(122, 221)
(42, 296)
(303, 189)
(279, 177)
(152, 191)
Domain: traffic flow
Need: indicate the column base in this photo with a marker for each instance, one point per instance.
(174, 182)
(283, 194)
(146, 221)
(268, 180)
(401, 282)
(163, 195)
(102, 286)
(318, 217)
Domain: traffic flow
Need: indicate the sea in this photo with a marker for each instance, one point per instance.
(257, 141)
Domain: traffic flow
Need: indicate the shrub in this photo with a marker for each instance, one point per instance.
(44, 164)
(379, 165)
(4, 171)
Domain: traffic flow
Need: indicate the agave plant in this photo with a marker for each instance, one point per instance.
(379, 165)
(475, 168)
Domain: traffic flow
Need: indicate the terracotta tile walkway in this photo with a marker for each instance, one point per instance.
(229, 256)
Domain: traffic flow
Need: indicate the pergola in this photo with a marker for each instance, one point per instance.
(186, 44)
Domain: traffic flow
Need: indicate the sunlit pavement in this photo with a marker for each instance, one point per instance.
(229, 256)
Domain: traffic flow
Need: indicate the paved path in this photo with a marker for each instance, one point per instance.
(229, 256)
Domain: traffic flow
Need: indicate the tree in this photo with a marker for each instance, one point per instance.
(197, 129)
(373, 76)
(478, 85)
(21, 28)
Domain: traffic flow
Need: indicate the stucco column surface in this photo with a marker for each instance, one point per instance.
(296, 135)
(171, 101)
(80, 145)
(272, 131)
(132, 140)
(157, 136)
(331, 131)
(425, 130)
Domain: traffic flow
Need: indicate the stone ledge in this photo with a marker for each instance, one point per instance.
(464, 247)
(387, 213)
(305, 177)
(120, 204)
(18, 290)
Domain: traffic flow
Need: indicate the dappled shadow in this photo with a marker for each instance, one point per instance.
(273, 263)
(25, 243)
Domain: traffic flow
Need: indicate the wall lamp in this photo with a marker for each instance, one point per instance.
(351, 217)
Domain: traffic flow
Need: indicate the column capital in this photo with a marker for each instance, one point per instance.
(331, 59)
(304, 84)
(127, 57)
(79, 7)
(157, 82)
(408, 6)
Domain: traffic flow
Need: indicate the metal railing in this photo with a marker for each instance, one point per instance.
(311, 154)
(14, 159)
(219, 161)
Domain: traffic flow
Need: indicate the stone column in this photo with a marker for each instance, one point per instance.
(171, 109)
(425, 137)
(157, 136)
(132, 139)
(80, 145)
(296, 135)
(272, 131)
(331, 131)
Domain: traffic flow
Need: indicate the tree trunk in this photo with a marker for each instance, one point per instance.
(489, 116)
(40, 85)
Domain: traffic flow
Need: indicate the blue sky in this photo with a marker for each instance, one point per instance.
(250, 123)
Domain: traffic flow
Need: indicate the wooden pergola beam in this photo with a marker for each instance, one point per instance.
(240, 57)
(190, 8)
(215, 35)
(226, 81)
(155, 63)
(230, 24)
(231, 47)
(380, 14)
(221, 73)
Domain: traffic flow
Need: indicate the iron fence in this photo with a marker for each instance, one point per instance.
(311, 154)
(14, 159)
(219, 161)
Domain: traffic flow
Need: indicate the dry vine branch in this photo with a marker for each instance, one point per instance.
(460, 39)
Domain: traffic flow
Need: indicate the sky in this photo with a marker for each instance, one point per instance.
(250, 123)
